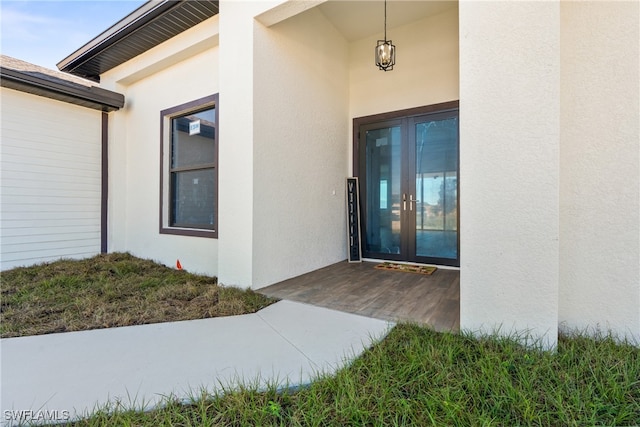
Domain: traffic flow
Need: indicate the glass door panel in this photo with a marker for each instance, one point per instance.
(408, 169)
(382, 190)
(436, 188)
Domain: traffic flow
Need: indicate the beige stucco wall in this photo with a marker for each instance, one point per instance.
(300, 159)
(287, 157)
(600, 167)
(295, 86)
(426, 70)
(553, 130)
(549, 122)
(178, 71)
(509, 167)
(288, 92)
(236, 154)
(50, 158)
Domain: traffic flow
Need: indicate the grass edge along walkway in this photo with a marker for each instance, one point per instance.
(112, 290)
(418, 377)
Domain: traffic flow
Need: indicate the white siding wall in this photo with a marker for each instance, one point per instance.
(51, 180)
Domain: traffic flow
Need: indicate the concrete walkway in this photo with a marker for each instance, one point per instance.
(57, 376)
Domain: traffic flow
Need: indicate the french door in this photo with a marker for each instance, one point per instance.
(408, 170)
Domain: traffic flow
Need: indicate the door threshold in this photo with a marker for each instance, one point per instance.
(443, 267)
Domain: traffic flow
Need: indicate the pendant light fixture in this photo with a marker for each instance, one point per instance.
(385, 50)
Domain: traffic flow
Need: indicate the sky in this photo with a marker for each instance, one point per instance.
(44, 32)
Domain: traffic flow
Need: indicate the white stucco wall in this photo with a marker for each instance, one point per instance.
(300, 158)
(178, 71)
(236, 154)
(600, 167)
(295, 85)
(50, 180)
(278, 98)
(426, 70)
(509, 154)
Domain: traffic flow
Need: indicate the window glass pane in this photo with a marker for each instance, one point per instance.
(383, 180)
(437, 188)
(193, 139)
(193, 198)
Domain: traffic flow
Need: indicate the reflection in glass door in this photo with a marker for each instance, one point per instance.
(436, 181)
(408, 169)
(382, 183)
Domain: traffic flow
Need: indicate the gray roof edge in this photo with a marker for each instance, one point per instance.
(129, 24)
(92, 96)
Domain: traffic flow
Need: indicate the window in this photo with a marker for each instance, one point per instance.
(189, 169)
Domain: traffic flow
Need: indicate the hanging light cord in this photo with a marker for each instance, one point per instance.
(385, 20)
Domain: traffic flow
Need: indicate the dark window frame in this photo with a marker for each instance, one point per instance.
(166, 116)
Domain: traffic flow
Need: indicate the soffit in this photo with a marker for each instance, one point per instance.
(146, 27)
(359, 19)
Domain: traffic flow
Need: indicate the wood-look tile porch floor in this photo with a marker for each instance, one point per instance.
(390, 295)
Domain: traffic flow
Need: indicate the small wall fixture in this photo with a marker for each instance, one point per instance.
(385, 50)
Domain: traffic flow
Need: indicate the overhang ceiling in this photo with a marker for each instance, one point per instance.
(359, 19)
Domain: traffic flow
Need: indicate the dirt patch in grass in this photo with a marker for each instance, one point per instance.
(112, 290)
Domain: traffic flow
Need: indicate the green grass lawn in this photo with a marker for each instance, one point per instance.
(413, 377)
(111, 290)
(417, 377)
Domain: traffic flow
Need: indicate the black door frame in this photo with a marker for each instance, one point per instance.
(390, 119)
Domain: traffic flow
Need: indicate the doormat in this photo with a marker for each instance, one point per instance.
(420, 269)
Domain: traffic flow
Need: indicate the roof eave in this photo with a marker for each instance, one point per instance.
(97, 56)
(91, 96)
(128, 24)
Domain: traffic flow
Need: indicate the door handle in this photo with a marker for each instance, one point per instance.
(404, 201)
(411, 201)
